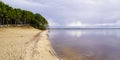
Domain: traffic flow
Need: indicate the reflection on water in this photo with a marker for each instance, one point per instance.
(86, 44)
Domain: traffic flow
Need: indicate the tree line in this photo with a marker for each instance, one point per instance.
(17, 17)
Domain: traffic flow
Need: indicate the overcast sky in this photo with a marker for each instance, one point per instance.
(82, 13)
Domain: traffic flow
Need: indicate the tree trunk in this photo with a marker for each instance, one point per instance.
(7, 22)
(0, 23)
(15, 23)
(3, 21)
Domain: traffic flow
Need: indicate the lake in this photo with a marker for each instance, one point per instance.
(86, 44)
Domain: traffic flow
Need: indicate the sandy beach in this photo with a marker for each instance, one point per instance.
(25, 44)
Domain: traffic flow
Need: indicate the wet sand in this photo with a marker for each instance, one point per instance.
(25, 44)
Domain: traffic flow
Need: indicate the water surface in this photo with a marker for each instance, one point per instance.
(86, 44)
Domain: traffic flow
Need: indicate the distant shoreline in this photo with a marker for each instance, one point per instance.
(79, 28)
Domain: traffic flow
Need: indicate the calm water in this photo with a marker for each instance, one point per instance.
(86, 44)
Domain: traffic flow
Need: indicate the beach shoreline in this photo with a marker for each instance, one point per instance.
(18, 43)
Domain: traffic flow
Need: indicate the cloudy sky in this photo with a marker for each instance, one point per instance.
(80, 13)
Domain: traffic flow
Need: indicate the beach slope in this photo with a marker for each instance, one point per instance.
(25, 44)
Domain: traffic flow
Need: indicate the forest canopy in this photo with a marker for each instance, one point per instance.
(16, 17)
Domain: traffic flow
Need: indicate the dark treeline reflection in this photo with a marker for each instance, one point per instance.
(88, 44)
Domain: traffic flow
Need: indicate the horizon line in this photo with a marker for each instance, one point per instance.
(83, 28)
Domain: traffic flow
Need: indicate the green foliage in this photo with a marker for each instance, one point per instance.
(10, 16)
